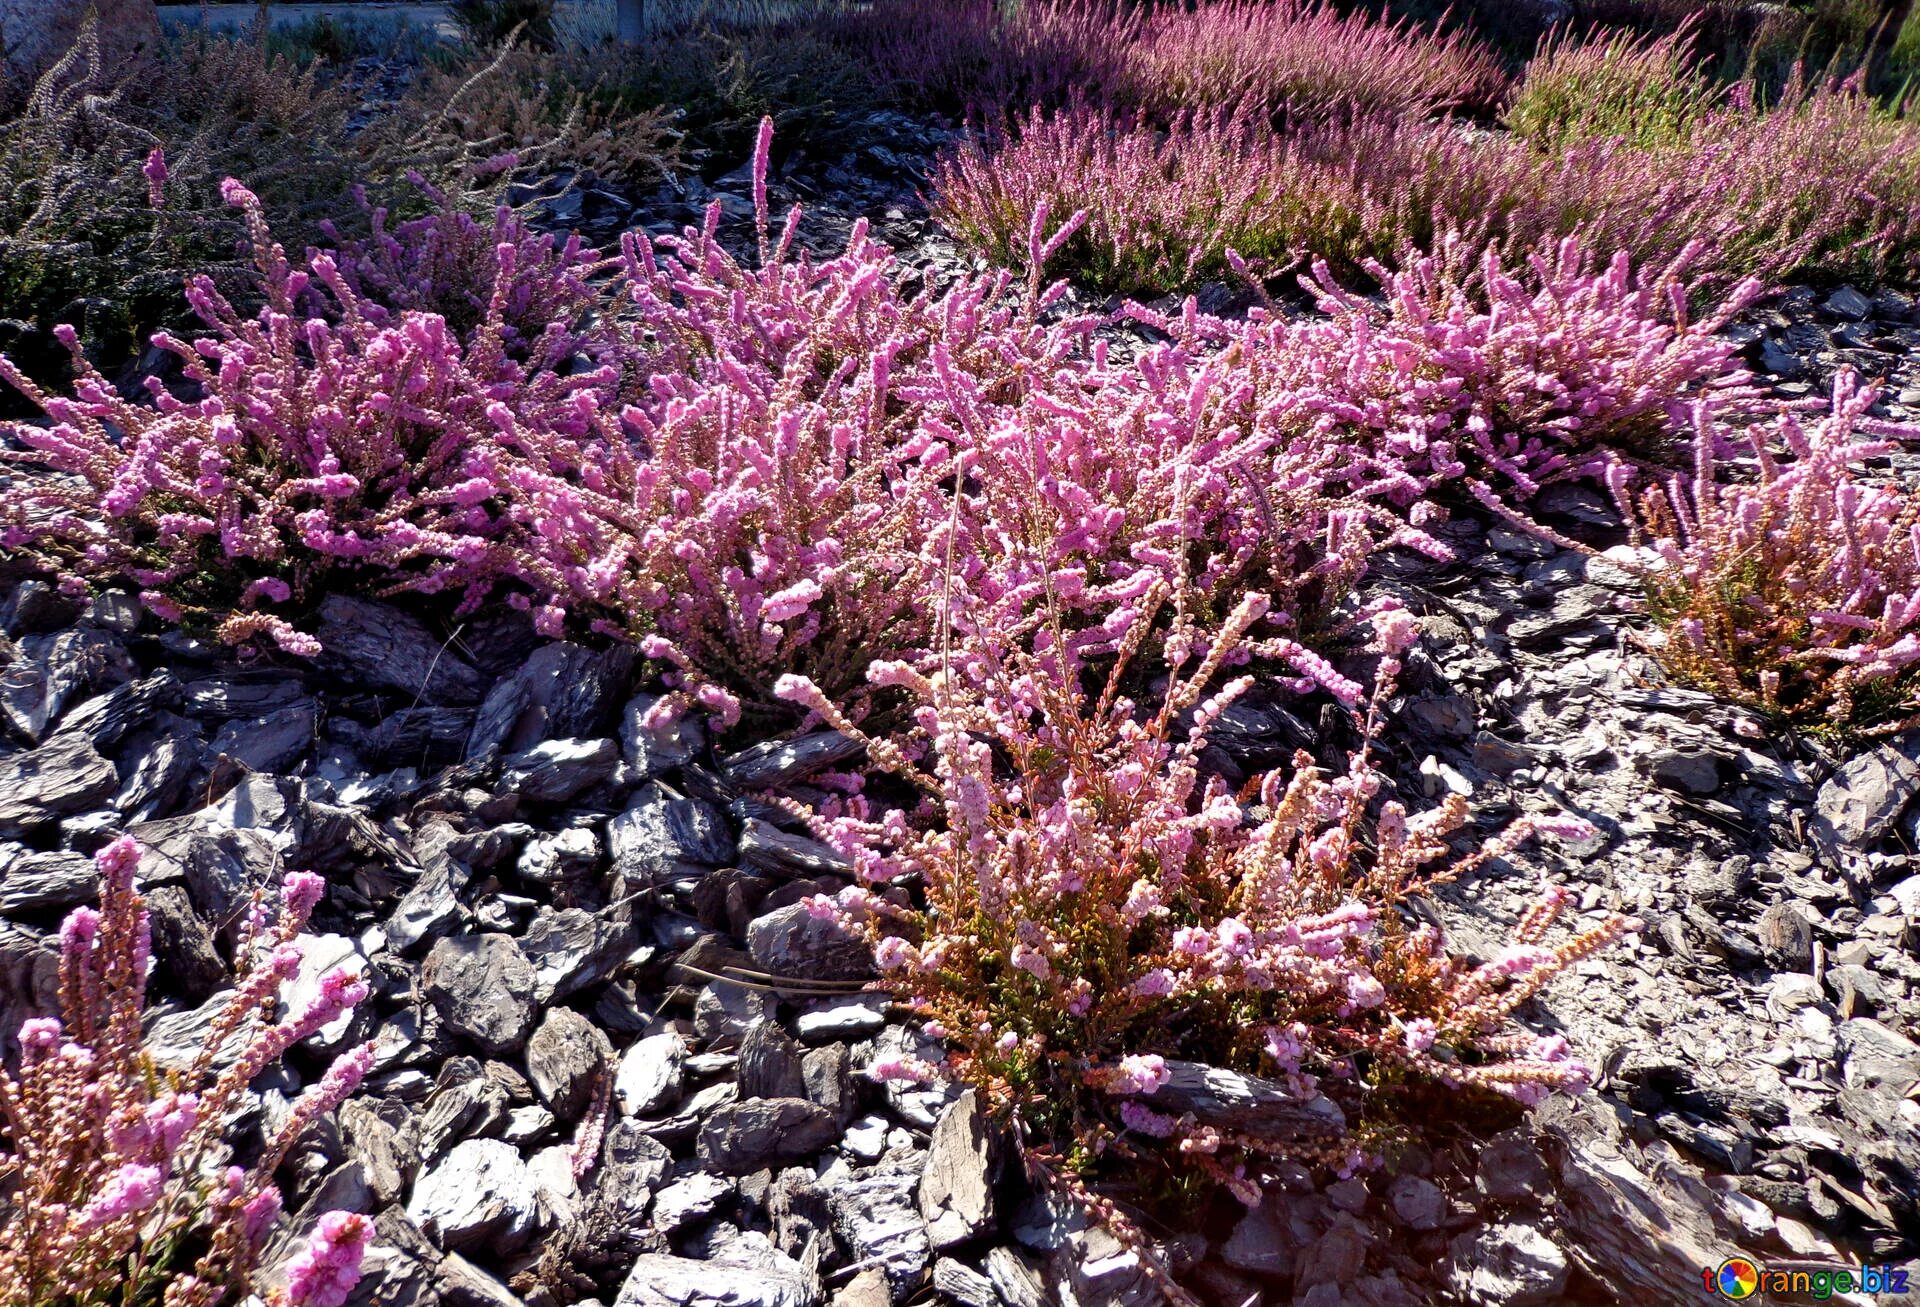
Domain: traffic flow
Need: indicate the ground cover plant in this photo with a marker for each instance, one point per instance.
(1101, 919)
(1822, 182)
(1793, 584)
(119, 1190)
(1029, 542)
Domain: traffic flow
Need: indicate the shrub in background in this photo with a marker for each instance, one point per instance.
(1099, 916)
(1648, 90)
(1790, 581)
(1305, 60)
(119, 1190)
(1526, 377)
(1822, 183)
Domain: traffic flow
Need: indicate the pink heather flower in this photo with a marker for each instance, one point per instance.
(118, 861)
(1007, 1042)
(324, 1273)
(1193, 941)
(40, 1036)
(300, 893)
(1395, 630)
(1139, 1073)
(259, 1213)
(1032, 961)
(792, 601)
(1236, 939)
(900, 1069)
(155, 171)
(1156, 983)
(131, 1190)
(1144, 1120)
(236, 195)
(892, 953)
(1419, 1034)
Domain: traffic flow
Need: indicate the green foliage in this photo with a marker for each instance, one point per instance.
(1649, 91)
(490, 24)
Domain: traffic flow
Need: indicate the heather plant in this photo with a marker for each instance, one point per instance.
(1476, 369)
(1306, 60)
(761, 504)
(1092, 917)
(555, 110)
(1821, 183)
(450, 263)
(1163, 206)
(123, 1188)
(1648, 90)
(1789, 580)
(344, 440)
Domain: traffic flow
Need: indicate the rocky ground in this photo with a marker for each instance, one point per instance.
(618, 1064)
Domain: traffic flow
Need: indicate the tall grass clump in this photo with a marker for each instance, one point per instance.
(1647, 90)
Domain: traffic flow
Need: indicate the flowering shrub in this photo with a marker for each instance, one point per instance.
(773, 499)
(1557, 374)
(1098, 911)
(1822, 181)
(1792, 585)
(1305, 59)
(120, 1191)
(319, 444)
(1647, 89)
(1163, 207)
(450, 263)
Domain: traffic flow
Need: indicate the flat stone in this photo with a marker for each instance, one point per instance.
(557, 770)
(483, 988)
(779, 763)
(379, 645)
(956, 1188)
(64, 775)
(654, 750)
(1875, 1056)
(693, 1198)
(649, 1076)
(661, 1280)
(45, 882)
(1417, 1202)
(791, 943)
(762, 1132)
(565, 1058)
(1863, 800)
(1509, 1265)
(876, 1218)
(480, 1196)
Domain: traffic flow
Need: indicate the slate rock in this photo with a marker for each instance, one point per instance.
(483, 987)
(1861, 802)
(1875, 1056)
(44, 882)
(564, 855)
(1249, 1104)
(659, 838)
(573, 949)
(793, 943)
(1417, 1202)
(654, 750)
(650, 1074)
(770, 1064)
(557, 770)
(64, 775)
(377, 644)
(767, 848)
(689, 1199)
(778, 763)
(876, 1218)
(956, 1186)
(662, 1280)
(272, 743)
(560, 690)
(1508, 1265)
(566, 1056)
(760, 1132)
(480, 1196)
